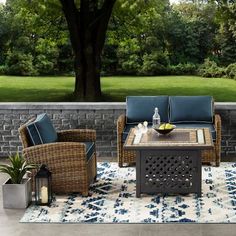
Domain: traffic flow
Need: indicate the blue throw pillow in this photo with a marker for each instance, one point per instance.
(191, 109)
(141, 108)
(41, 130)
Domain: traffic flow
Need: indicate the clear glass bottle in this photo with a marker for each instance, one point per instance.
(156, 119)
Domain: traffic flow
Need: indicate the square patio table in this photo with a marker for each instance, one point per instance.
(169, 164)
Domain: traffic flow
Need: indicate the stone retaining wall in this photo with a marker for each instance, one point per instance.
(99, 116)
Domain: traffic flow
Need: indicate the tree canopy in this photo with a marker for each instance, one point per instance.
(147, 37)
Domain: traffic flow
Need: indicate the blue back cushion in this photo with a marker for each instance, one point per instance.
(191, 109)
(141, 108)
(41, 130)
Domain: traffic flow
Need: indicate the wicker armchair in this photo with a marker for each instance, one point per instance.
(66, 159)
(208, 156)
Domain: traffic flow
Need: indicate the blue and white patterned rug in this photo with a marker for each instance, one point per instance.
(113, 201)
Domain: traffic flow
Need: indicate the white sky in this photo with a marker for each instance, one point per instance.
(171, 1)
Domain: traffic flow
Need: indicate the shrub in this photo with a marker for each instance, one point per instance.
(154, 64)
(210, 69)
(20, 64)
(3, 69)
(43, 65)
(231, 71)
(182, 69)
(128, 53)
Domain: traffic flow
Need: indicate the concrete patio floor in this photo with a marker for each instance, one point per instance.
(10, 226)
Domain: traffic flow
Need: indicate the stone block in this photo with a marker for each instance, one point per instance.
(4, 143)
(36, 111)
(70, 112)
(104, 154)
(90, 115)
(4, 154)
(5, 132)
(6, 111)
(9, 149)
(58, 116)
(14, 132)
(9, 138)
(108, 137)
(7, 121)
(24, 118)
(16, 122)
(7, 127)
(15, 143)
(22, 111)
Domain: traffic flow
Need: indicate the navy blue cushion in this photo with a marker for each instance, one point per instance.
(190, 109)
(141, 108)
(194, 125)
(189, 125)
(41, 130)
(90, 149)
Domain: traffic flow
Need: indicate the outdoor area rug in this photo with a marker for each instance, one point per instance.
(113, 200)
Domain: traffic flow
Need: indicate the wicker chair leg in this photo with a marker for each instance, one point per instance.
(85, 193)
(120, 165)
(217, 161)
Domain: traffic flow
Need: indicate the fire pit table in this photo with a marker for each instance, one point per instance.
(169, 163)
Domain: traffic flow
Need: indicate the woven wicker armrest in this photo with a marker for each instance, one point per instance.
(77, 135)
(218, 139)
(55, 152)
(218, 126)
(121, 124)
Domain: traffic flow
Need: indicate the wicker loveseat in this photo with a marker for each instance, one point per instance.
(183, 111)
(72, 159)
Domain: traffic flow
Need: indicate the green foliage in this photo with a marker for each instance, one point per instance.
(231, 71)
(154, 64)
(226, 35)
(144, 37)
(183, 69)
(34, 37)
(128, 54)
(2, 70)
(190, 32)
(19, 63)
(17, 169)
(210, 69)
(43, 65)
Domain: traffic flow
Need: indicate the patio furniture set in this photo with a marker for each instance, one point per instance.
(164, 163)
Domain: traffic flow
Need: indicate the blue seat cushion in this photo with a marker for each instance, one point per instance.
(41, 130)
(191, 109)
(189, 125)
(194, 125)
(90, 149)
(141, 108)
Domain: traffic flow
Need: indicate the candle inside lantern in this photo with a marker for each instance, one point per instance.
(44, 194)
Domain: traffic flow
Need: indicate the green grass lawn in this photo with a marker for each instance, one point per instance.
(59, 89)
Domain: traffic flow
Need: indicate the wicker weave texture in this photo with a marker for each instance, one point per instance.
(129, 157)
(66, 159)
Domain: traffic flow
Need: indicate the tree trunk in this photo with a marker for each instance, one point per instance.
(87, 27)
(87, 72)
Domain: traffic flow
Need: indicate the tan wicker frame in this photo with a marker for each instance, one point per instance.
(128, 157)
(66, 159)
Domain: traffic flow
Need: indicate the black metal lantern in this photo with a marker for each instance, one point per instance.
(43, 186)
